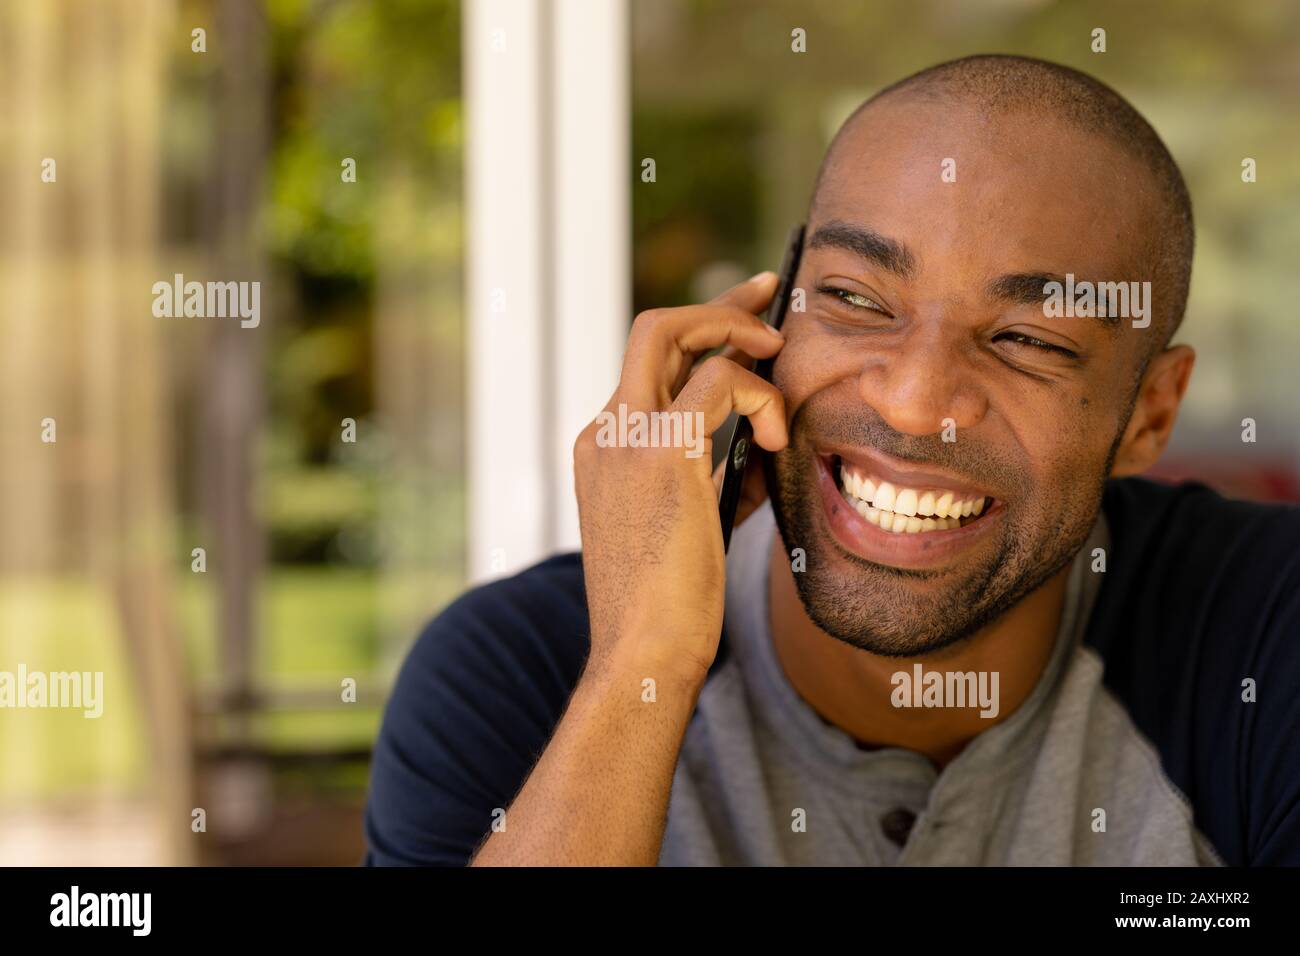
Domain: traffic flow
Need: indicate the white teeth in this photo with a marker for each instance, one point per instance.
(907, 510)
(884, 499)
(905, 503)
(906, 524)
(943, 504)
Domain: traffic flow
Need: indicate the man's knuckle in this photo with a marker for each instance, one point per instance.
(585, 443)
(647, 319)
(717, 367)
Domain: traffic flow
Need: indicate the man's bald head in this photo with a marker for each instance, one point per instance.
(1001, 84)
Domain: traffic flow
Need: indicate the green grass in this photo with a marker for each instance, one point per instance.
(318, 626)
(62, 624)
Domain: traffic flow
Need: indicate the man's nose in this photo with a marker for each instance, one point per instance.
(922, 381)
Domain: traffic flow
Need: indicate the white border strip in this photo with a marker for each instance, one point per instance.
(593, 204)
(548, 224)
(504, 294)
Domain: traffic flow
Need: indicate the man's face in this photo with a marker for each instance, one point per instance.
(920, 376)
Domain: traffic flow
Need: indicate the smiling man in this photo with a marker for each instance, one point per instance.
(952, 628)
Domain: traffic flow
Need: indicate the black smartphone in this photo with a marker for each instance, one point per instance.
(742, 435)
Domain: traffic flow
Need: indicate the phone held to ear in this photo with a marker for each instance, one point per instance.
(742, 435)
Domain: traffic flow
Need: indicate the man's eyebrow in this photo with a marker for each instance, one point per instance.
(1027, 288)
(887, 253)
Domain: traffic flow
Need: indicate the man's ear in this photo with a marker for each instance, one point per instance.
(1154, 411)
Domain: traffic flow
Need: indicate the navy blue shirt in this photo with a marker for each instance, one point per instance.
(1200, 594)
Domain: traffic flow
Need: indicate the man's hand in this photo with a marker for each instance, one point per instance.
(651, 539)
(653, 561)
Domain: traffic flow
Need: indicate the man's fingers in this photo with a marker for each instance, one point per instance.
(664, 343)
(743, 359)
(751, 295)
(740, 357)
(730, 352)
(721, 387)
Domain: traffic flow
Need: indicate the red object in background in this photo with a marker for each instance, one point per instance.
(1276, 480)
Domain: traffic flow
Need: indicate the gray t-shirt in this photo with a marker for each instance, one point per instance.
(1065, 780)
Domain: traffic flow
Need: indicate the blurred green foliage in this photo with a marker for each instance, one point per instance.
(703, 205)
(377, 83)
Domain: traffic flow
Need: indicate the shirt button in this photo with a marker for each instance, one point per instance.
(897, 824)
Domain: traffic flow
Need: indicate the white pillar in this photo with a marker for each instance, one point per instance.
(547, 277)
(505, 286)
(593, 203)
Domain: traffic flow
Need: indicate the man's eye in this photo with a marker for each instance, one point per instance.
(1020, 338)
(855, 299)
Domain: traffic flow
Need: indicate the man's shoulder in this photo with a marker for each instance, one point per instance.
(550, 592)
(475, 701)
(537, 616)
(1193, 512)
(1194, 579)
(1180, 545)
(1198, 624)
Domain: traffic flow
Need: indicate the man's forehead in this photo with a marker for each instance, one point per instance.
(943, 181)
(910, 139)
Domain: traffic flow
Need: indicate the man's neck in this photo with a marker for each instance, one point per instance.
(852, 688)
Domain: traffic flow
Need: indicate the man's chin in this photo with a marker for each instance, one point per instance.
(889, 610)
(893, 612)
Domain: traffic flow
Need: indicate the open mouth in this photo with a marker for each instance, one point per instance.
(906, 510)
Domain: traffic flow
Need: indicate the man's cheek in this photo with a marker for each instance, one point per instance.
(805, 367)
(791, 380)
(1081, 445)
(1066, 475)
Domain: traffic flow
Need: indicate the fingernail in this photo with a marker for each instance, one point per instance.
(761, 276)
(775, 331)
